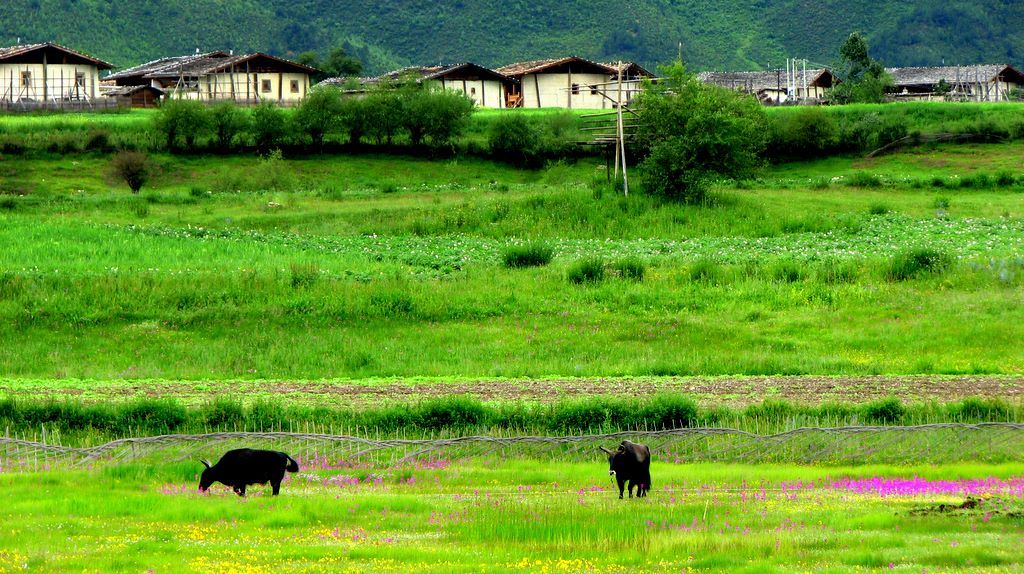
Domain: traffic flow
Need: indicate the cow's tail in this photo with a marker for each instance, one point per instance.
(292, 466)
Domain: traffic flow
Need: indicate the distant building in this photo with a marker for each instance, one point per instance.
(983, 83)
(48, 75)
(775, 86)
(222, 76)
(570, 82)
(485, 87)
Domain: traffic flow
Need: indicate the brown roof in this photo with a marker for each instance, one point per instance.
(207, 63)
(537, 66)
(13, 52)
(465, 71)
(952, 74)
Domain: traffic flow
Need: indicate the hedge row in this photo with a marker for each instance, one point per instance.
(465, 414)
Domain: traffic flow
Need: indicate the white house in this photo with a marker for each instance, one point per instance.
(48, 74)
(485, 87)
(217, 76)
(571, 82)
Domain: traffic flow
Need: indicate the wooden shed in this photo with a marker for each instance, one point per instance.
(485, 87)
(48, 75)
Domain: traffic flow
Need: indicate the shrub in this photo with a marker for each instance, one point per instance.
(977, 409)
(589, 270)
(132, 167)
(1005, 178)
(152, 415)
(319, 114)
(886, 411)
(269, 127)
(863, 179)
(668, 412)
(439, 116)
(917, 262)
(224, 413)
(513, 139)
(528, 255)
(693, 133)
(787, 271)
(227, 122)
(452, 412)
(182, 120)
(632, 268)
(879, 209)
(807, 133)
(774, 410)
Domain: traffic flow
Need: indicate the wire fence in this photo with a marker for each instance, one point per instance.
(923, 444)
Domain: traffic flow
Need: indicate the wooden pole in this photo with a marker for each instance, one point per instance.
(622, 137)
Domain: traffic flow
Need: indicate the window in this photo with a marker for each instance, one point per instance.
(593, 90)
(472, 91)
(575, 89)
(79, 79)
(265, 86)
(295, 86)
(26, 79)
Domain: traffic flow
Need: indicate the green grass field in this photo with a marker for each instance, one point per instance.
(376, 266)
(517, 516)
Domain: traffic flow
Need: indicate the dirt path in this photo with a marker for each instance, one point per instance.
(727, 391)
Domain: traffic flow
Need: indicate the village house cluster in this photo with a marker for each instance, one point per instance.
(48, 75)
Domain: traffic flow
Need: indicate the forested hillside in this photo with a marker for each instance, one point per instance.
(727, 34)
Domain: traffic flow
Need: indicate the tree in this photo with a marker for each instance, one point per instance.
(269, 125)
(338, 64)
(691, 133)
(861, 78)
(182, 119)
(319, 114)
(132, 167)
(227, 121)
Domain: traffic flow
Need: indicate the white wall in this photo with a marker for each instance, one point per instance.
(485, 93)
(555, 91)
(59, 82)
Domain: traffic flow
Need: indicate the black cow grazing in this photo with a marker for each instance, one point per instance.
(631, 463)
(244, 466)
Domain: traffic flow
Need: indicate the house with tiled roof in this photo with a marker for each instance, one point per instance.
(218, 76)
(48, 74)
(773, 86)
(485, 87)
(985, 83)
(570, 82)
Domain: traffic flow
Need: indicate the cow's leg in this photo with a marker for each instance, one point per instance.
(631, 485)
(622, 485)
(276, 485)
(240, 490)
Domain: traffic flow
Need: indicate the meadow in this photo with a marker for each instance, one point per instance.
(518, 516)
(390, 295)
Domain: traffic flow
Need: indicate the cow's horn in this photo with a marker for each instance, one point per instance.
(206, 463)
(604, 450)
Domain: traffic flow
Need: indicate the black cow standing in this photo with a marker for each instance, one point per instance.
(631, 463)
(244, 466)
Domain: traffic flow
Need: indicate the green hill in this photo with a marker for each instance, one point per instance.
(728, 34)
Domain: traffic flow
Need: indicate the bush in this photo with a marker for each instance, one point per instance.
(915, 263)
(132, 167)
(227, 122)
(151, 416)
(438, 116)
(453, 412)
(590, 270)
(705, 270)
(667, 412)
(977, 409)
(804, 134)
(513, 139)
(885, 411)
(182, 120)
(691, 134)
(319, 114)
(269, 127)
(224, 414)
(528, 255)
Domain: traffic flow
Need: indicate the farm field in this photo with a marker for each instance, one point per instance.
(368, 266)
(518, 516)
(393, 296)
